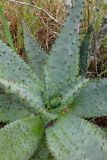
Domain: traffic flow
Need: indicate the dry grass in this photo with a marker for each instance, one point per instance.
(41, 25)
(43, 28)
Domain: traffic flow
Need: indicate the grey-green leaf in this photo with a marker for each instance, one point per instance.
(68, 93)
(13, 68)
(63, 62)
(11, 109)
(75, 138)
(35, 54)
(42, 152)
(27, 97)
(20, 139)
(71, 90)
(92, 100)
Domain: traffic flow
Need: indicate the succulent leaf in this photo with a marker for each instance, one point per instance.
(63, 62)
(68, 93)
(71, 90)
(20, 139)
(13, 68)
(27, 97)
(42, 153)
(46, 87)
(11, 109)
(35, 54)
(77, 139)
(84, 51)
(92, 100)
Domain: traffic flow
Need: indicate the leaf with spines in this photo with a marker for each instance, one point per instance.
(63, 62)
(68, 93)
(27, 97)
(13, 68)
(71, 90)
(35, 54)
(84, 51)
(67, 136)
(77, 139)
(42, 152)
(20, 139)
(92, 99)
(11, 109)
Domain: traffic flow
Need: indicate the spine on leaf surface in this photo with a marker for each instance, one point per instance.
(63, 62)
(35, 54)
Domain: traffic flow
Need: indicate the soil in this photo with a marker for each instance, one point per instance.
(2, 124)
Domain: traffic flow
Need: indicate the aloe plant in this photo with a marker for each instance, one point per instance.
(45, 101)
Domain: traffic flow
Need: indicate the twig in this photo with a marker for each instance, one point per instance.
(38, 8)
(102, 73)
